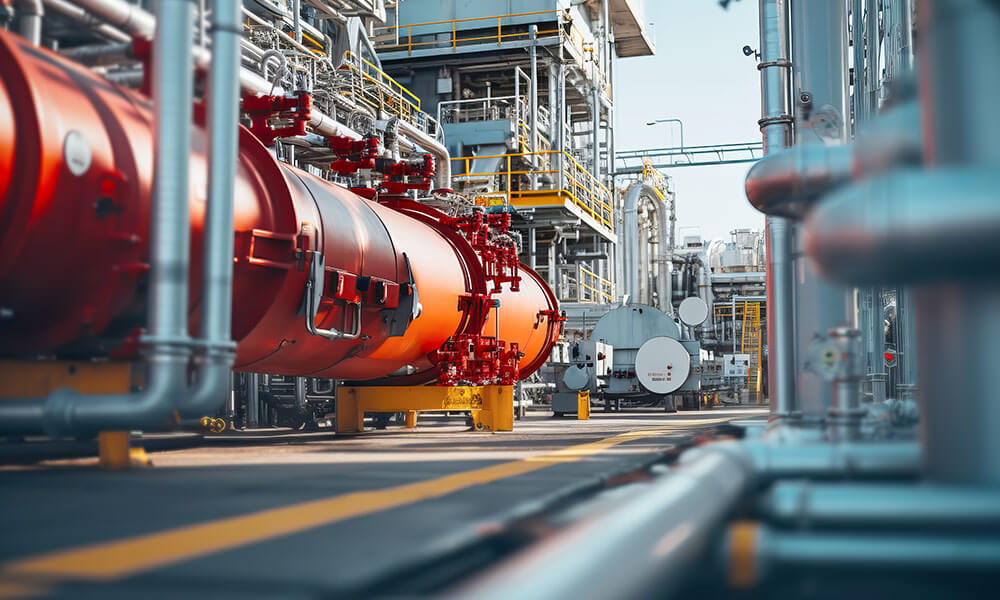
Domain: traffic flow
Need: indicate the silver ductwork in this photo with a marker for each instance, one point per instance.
(645, 193)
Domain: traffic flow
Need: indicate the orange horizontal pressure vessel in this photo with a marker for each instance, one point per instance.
(76, 170)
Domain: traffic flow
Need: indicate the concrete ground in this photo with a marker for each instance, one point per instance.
(384, 513)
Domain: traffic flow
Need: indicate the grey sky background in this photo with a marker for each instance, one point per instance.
(698, 75)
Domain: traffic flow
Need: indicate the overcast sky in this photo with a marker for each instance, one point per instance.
(699, 75)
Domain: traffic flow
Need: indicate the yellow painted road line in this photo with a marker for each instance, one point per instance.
(123, 558)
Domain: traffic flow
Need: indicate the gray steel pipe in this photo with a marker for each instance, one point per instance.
(630, 258)
(215, 360)
(776, 130)
(66, 412)
(901, 227)
(533, 52)
(811, 505)
(754, 552)
(130, 18)
(663, 530)
(81, 16)
(29, 15)
(787, 183)
(820, 460)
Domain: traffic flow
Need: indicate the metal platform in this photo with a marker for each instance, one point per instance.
(393, 512)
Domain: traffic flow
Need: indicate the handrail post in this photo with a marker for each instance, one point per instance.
(508, 178)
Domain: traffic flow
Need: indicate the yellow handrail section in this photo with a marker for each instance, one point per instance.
(487, 25)
(575, 182)
(594, 287)
(374, 87)
(491, 29)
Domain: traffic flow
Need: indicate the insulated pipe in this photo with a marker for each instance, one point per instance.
(65, 411)
(30, 14)
(630, 234)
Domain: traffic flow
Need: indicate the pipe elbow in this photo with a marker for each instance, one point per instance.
(787, 183)
(66, 412)
(211, 388)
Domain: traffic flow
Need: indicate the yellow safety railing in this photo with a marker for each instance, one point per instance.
(594, 287)
(374, 87)
(493, 24)
(575, 182)
(491, 29)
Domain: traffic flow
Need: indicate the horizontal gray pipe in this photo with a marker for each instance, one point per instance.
(70, 10)
(643, 548)
(775, 552)
(909, 507)
(908, 227)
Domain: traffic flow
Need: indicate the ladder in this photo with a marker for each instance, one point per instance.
(751, 345)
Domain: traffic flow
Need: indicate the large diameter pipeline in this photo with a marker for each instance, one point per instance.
(75, 191)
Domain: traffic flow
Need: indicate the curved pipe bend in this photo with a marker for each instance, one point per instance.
(788, 183)
(908, 227)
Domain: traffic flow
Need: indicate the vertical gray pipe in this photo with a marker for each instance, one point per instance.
(899, 45)
(958, 324)
(776, 129)
(899, 61)
(819, 72)
(533, 34)
(173, 89)
(596, 104)
(858, 61)
(906, 344)
(29, 15)
(167, 346)
(873, 43)
(216, 357)
(297, 19)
